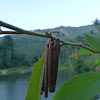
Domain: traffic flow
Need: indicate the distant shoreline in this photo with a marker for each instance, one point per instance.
(17, 70)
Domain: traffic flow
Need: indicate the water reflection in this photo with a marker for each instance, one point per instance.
(14, 87)
(63, 76)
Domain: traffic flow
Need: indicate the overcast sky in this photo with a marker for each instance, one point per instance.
(42, 14)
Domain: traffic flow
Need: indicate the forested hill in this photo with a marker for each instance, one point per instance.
(30, 48)
(71, 32)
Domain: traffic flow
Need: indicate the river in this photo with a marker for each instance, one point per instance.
(14, 87)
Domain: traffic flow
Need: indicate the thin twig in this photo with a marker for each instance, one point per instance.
(47, 35)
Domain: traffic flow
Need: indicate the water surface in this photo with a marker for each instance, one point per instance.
(14, 87)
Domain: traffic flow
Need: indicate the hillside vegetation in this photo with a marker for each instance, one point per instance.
(31, 48)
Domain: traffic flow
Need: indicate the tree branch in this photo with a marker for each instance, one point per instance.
(47, 35)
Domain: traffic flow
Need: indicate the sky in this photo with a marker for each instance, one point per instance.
(43, 14)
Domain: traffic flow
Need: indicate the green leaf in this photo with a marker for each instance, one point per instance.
(97, 61)
(33, 92)
(82, 52)
(81, 87)
(93, 41)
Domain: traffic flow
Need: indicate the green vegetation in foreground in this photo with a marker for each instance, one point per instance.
(82, 64)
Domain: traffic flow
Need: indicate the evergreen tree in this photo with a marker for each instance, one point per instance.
(96, 22)
(8, 50)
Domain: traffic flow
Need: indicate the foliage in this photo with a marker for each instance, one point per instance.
(30, 47)
(81, 87)
(96, 22)
(82, 52)
(33, 92)
(7, 49)
(8, 57)
(93, 41)
(84, 64)
(97, 61)
(7, 42)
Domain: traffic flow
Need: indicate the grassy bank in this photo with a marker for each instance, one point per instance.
(16, 70)
(82, 64)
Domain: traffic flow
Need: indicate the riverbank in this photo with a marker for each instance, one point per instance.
(71, 66)
(16, 70)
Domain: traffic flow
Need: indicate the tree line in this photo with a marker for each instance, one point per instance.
(8, 56)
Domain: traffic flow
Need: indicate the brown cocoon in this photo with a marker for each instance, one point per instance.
(54, 68)
(50, 66)
(46, 70)
(57, 49)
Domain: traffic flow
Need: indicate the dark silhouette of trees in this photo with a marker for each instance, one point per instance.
(8, 57)
(96, 22)
(8, 50)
